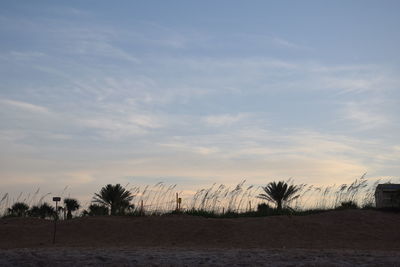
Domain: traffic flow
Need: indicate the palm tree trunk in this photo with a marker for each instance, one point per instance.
(113, 209)
(279, 205)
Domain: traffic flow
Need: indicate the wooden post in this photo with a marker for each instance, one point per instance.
(55, 225)
(250, 205)
(56, 199)
(223, 210)
(177, 202)
(141, 208)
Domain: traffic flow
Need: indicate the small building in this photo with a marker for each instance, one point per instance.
(387, 196)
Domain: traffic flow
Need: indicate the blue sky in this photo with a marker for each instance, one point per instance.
(94, 92)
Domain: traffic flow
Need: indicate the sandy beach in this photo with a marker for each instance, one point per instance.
(195, 257)
(337, 238)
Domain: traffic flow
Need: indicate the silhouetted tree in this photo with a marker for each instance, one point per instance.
(18, 209)
(115, 197)
(279, 193)
(71, 205)
(42, 211)
(95, 210)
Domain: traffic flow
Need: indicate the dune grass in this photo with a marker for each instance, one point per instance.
(221, 201)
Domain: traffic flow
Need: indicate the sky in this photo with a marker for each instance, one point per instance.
(197, 92)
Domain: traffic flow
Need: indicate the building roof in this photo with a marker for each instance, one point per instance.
(388, 187)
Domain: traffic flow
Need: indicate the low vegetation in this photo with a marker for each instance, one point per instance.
(276, 198)
(279, 193)
(70, 205)
(116, 198)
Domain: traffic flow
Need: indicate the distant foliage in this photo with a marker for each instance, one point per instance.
(369, 205)
(264, 209)
(241, 200)
(348, 205)
(116, 198)
(42, 211)
(194, 212)
(19, 209)
(279, 193)
(71, 205)
(96, 210)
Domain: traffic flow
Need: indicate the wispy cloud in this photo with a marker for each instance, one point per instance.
(102, 48)
(28, 107)
(223, 119)
(115, 127)
(21, 55)
(286, 44)
(365, 115)
(88, 100)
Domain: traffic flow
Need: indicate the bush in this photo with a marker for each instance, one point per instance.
(19, 209)
(348, 205)
(43, 211)
(368, 206)
(265, 209)
(203, 213)
(96, 210)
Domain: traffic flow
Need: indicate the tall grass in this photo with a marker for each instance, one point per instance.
(30, 199)
(360, 192)
(156, 199)
(221, 199)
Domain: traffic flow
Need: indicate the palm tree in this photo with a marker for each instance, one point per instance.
(279, 193)
(42, 211)
(115, 197)
(71, 205)
(18, 209)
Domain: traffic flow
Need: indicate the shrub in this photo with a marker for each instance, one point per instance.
(96, 210)
(348, 205)
(19, 209)
(265, 209)
(43, 211)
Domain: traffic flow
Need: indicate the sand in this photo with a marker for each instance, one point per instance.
(194, 257)
(338, 238)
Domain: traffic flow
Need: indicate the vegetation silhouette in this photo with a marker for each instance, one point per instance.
(348, 205)
(280, 193)
(19, 209)
(265, 209)
(96, 210)
(42, 211)
(217, 201)
(115, 197)
(71, 205)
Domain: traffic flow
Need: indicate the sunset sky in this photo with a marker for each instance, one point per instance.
(197, 92)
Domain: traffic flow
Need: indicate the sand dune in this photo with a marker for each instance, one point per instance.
(336, 238)
(353, 229)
